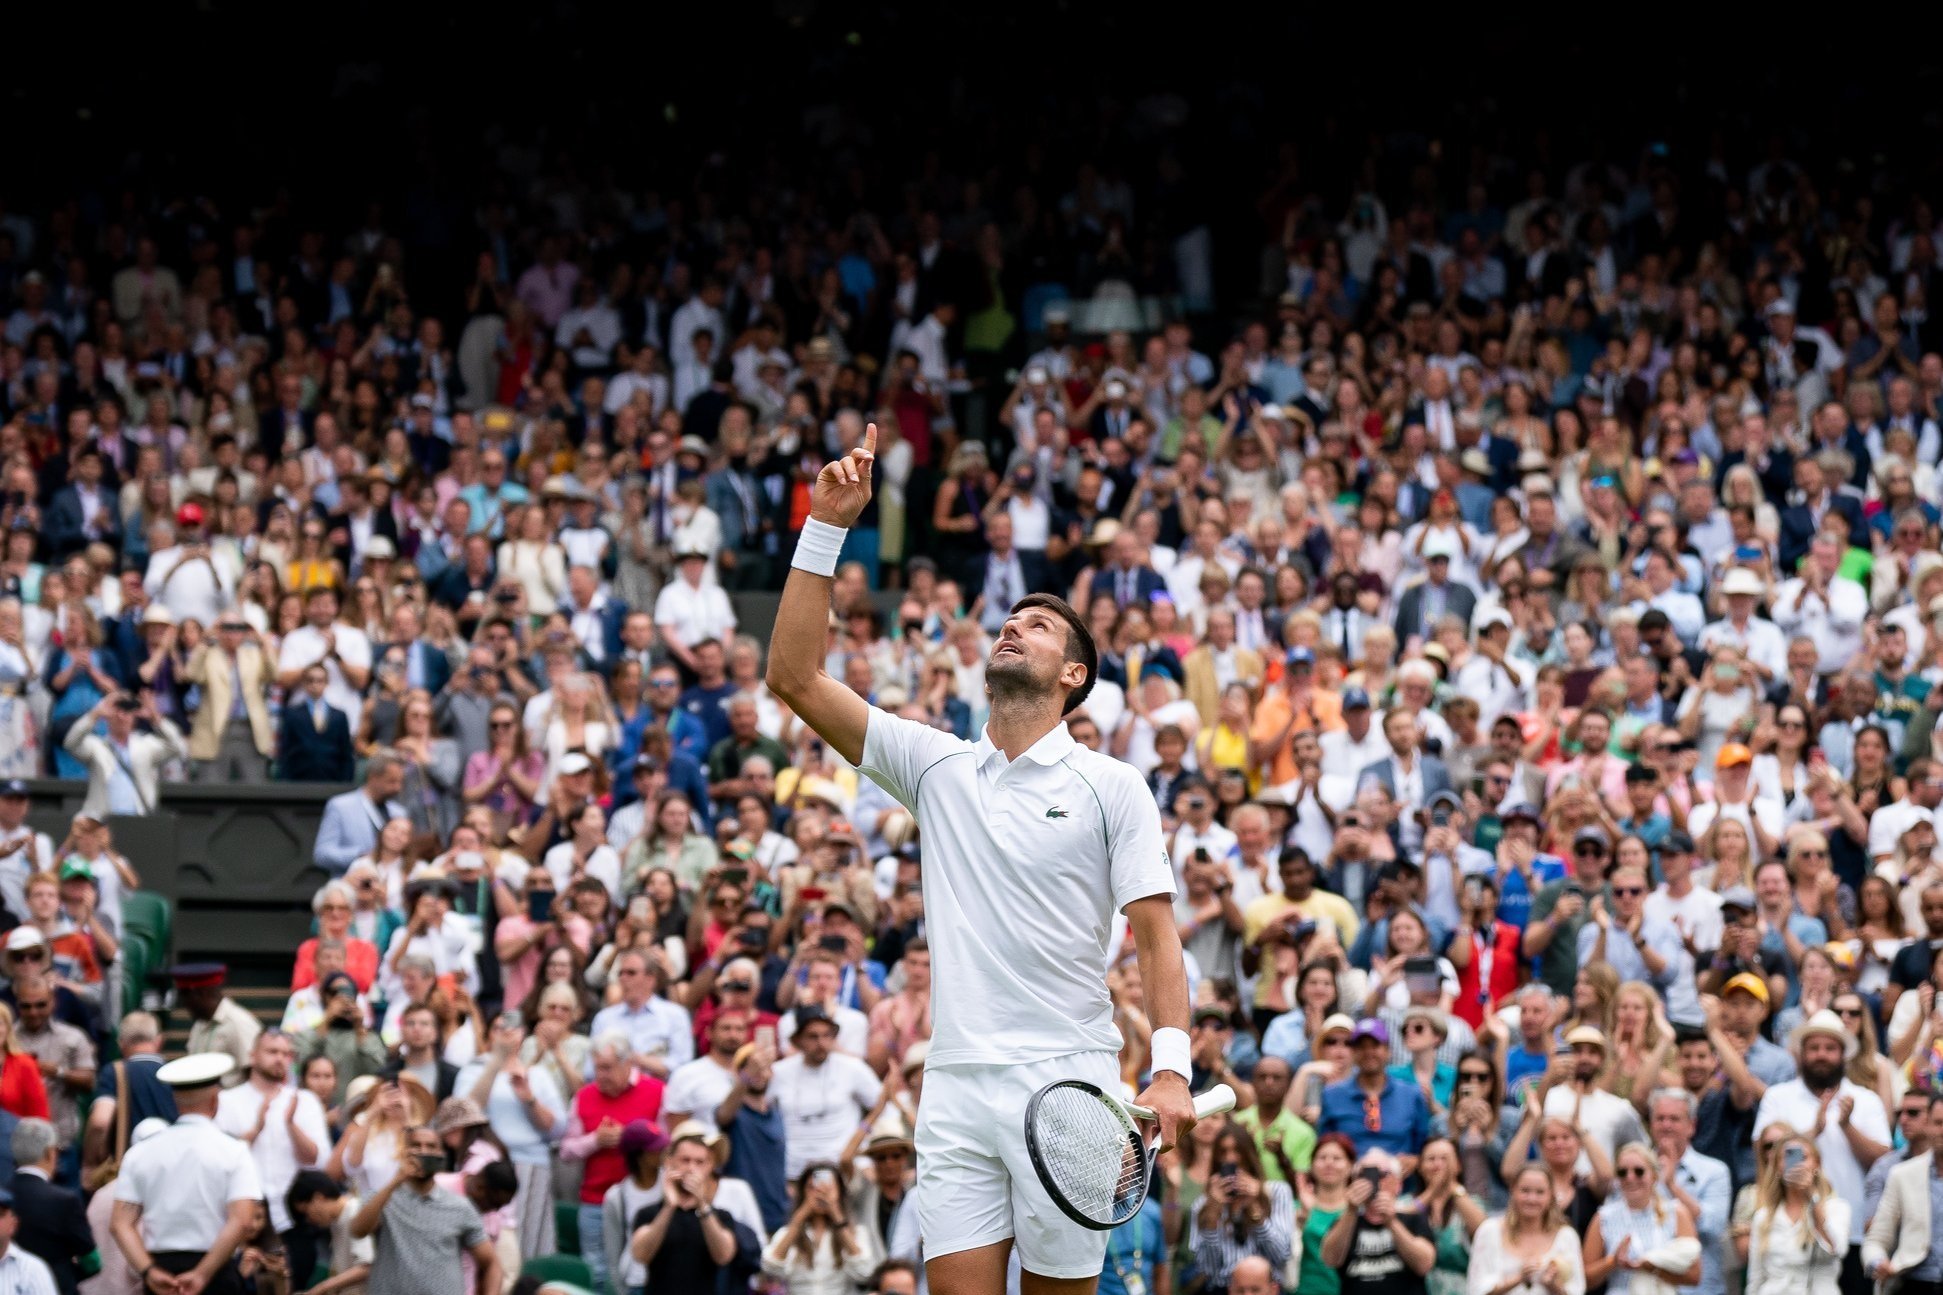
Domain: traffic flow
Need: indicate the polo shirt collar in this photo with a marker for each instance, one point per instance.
(1055, 746)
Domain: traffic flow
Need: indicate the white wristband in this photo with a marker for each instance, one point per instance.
(817, 547)
(1171, 1052)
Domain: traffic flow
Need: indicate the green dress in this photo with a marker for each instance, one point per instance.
(1452, 1269)
(1313, 1276)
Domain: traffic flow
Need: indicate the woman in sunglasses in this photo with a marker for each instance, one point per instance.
(1800, 1230)
(1633, 1226)
(1331, 1064)
(1475, 1125)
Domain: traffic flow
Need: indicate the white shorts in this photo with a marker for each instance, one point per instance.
(976, 1185)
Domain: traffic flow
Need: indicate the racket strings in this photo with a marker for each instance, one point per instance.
(1092, 1153)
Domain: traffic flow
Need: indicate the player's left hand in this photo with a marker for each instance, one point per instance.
(1173, 1107)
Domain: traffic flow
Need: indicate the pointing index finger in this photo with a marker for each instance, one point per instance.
(870, 440)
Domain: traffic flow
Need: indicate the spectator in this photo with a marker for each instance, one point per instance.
(684, 1241)
(284, 1126)
(1373, 1108)
(124, 767)
(421, 1229)
(1372, 1245)
(1798, 1239)
(51, 1221)
(602, 1110)
(232, 738)
(353, 819)
(816, 1087)
(314, 742)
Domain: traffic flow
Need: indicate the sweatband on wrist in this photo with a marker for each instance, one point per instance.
(817, 547)
(1172, 1052)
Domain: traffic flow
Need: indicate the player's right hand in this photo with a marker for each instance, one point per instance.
(843, 486)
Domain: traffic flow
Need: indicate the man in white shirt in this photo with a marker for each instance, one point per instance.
(703, 310)
(687, 611)
(1735, 798)
(1760, 640)
(189, 579)
(822, 991)
(1358, 744)
(1846, 1121)
(1497, 681)
(283, 1125)
(658, 1031)
(823, 1093)
(590, 330)
(697, 1088)
(343, 649)
(1609, 1120)
(642, 374)
(1823, 606)
(1694, 911)
(23, 851)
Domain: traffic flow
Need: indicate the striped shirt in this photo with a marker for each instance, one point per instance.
(23, 1274)
(1217, 1250)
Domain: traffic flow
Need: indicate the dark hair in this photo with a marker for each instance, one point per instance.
(1079, 642)
(307, 1186)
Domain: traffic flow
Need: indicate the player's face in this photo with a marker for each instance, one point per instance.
(1030, 655)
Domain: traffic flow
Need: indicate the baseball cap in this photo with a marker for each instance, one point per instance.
(575, 762)
(1523, 809)
(1731, 754)
(1676, 842)
(1491, 616)
(1372, 1029)
(1593, 834)
(13, 787)
(1353, 699)
(24, 937)
(1748, 983)
(639, 1137)
(1300, 656)
(1737, 897)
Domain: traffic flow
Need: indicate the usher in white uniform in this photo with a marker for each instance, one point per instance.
(1026, 866)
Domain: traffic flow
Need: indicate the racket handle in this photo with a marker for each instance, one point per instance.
(1218, 1100)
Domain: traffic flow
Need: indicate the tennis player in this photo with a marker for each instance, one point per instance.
(1032, 844)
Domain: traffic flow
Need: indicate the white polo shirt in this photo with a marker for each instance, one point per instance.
(689, 614)
(184, 1178)
(1026, 866)
(305, 646)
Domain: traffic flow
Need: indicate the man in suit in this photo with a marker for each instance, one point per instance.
(596, 618)
(314, 744)
(1422, 603)
(1799, 522)
(287, 427)
(353, 819)
(1410, 776)
(1898, 1240)
(1218, 662)
(53, 1222)
(231, 738)
(124, 767)
(1002, 576)
(1127, 575)
(84, 510)
(426, 664)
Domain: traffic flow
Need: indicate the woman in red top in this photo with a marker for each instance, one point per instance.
(333, 903)
(23, 1094)
(1485, 952)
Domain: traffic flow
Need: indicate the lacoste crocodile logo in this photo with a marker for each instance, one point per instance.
(1057, 812)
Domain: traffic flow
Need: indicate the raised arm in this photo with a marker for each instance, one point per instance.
(796, 673)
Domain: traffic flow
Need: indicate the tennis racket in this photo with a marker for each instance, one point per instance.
(1091, 1158)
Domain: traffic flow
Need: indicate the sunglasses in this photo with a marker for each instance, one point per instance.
(736, 986)
(1628, 891)
(500, 723)
(1588, 848)
(1849, 1013)
(1476, 1076)
(1417, 1027)
(1633, 1171)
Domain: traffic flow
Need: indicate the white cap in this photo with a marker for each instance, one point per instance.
(197, 1070)
(1438, 547)
(380, 546)
(25, 937)
(1742, 581)
(1491, 616)
(157, 614)
(575, 762)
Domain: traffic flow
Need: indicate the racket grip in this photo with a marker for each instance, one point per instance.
(1218, 1100)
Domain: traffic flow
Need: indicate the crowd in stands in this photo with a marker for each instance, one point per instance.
(1528, 615)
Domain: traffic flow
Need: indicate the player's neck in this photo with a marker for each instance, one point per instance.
(1017, 723)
